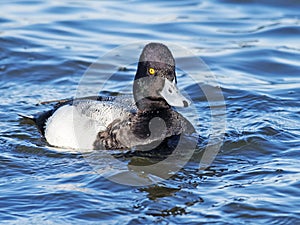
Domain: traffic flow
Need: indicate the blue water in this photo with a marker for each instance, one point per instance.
(253, 50)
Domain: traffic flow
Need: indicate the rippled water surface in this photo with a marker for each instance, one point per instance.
(253, 50)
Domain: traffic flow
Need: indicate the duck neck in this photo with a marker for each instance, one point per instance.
(149, 105)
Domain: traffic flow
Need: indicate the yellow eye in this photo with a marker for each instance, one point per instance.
(151, 71)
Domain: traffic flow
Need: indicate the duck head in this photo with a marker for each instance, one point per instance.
(155, 80)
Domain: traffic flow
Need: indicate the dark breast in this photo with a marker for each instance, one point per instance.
(143, 128)
(156, 122)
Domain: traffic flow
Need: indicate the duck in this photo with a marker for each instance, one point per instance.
(144, 120)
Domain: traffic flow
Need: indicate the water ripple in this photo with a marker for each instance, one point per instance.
(253, 50)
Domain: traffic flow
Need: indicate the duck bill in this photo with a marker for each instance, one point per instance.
(172, 95)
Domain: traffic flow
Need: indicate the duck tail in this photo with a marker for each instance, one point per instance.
(39, 119)
(27, 117)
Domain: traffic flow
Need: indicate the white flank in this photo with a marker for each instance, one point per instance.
(76, 126)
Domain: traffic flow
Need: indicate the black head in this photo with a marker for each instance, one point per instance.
(155, 80)
(156, 60)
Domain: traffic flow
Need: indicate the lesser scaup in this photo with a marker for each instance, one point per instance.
(120, 122)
